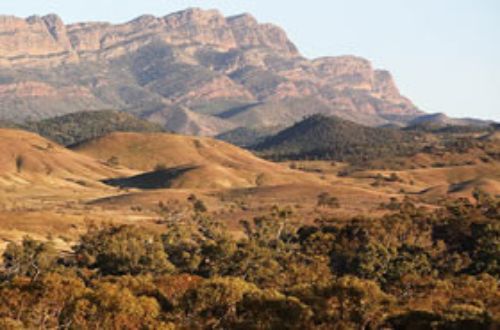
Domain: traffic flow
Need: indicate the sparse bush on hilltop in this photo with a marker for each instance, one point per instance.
(326, 200)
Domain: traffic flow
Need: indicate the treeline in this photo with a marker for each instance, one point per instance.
(82, 126)
(319, 137)
(413, 269)
(437, 128)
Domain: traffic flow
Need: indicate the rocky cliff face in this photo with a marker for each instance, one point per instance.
(36, 40)
(222, 71)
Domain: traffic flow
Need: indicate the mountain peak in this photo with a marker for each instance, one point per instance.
(53, 18)
(225, 72)
(244, 18)
(46, 40)
(196, 15)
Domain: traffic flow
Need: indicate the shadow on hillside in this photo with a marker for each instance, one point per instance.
(158, 179)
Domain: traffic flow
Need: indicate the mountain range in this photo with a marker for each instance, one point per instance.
(194, 72)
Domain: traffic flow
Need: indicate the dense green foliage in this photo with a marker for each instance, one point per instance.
(328, 138)
(81, 126)
(321, 137)
(413, 269)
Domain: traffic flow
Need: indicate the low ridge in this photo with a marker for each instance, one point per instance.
(322, 137)
(81, 126)
(207, 163)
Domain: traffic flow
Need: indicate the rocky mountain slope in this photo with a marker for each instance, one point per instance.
(193, 71)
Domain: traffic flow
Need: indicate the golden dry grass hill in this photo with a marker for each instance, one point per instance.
(48, 190)
(28, 158)
(177, 161)
(42, 185)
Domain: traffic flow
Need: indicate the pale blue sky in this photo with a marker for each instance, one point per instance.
(444, 54)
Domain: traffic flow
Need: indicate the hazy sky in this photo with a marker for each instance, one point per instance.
(444, 54)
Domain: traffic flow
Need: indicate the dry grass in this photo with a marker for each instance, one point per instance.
(215, 164)
(233, 183)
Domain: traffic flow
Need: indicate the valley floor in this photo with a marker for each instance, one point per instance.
(61, 209)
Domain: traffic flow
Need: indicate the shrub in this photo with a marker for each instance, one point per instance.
(123, 250)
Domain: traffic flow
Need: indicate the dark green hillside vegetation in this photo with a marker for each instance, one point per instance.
(331, 138)
(412, 269)
(463, 139)
(442, 120)
(430, 127)
(81, 126)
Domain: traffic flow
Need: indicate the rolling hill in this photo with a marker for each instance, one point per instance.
(28, 159)
(322, 137)
(176, 161)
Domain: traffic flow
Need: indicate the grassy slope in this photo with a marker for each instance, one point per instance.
(215, 163)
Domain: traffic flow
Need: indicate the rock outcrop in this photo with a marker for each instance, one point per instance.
(41, 38)
(216, 69)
